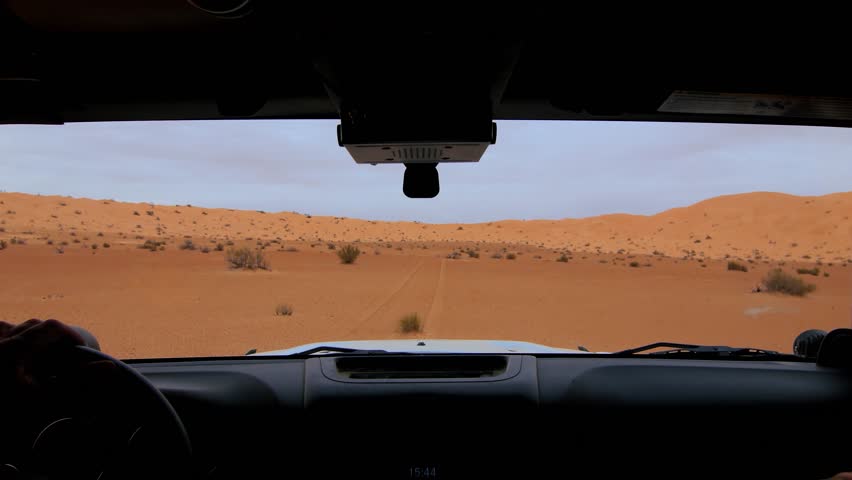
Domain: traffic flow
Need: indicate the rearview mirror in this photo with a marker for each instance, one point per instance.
(421, 180)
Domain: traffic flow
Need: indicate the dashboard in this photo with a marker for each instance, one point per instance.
(508, 416)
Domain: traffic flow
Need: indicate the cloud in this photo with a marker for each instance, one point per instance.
(544, 169)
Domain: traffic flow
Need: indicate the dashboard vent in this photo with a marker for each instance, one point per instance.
(421, 367)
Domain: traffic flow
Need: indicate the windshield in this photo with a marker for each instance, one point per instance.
(174, 239)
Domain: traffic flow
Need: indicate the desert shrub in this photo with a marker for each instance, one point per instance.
(826, 274)
(808, 271)
(150, 213)
(246, 258)
(511, 256)
(562, 258)
(152, 245)
(220, 247)
(410, 323)
(205, 249)
(737, 267)
(779, 281)
(634, 264)
(497, 256)
(348, 254)
(106, 245)
(472, 253)
(50, 242)
(284, 310)
(187, 245)
(331, 246)
(94, 246)
(3, 244)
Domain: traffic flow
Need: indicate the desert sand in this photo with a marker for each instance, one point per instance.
(175, 302)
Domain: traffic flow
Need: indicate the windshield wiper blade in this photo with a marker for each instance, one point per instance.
(651, 346)
(332, 349)
(683, 350)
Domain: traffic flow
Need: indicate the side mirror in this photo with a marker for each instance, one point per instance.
(836, 349)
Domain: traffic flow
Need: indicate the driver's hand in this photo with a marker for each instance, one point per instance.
(31, 350)
(35, 337)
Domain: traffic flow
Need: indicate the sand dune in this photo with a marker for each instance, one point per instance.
(185, 302)
(753, 225)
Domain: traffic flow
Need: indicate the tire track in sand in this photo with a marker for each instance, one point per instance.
(433, 318)
(373, 309)
(416, 293)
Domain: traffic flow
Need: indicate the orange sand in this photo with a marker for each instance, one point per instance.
(187, 303)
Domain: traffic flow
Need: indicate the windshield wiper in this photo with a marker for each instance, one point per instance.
(683, 350)
(332, 349)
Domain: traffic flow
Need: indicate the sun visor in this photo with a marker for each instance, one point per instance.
(761, 105)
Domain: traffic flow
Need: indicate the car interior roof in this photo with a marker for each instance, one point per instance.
(108, 60)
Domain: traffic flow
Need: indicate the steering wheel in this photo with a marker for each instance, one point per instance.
(119, 428)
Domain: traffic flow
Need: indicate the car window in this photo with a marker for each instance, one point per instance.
(175, 239)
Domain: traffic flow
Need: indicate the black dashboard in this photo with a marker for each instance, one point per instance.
(509, 416)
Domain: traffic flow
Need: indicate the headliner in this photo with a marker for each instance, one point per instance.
(118, 60)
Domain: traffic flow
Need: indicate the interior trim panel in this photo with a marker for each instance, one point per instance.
(246, 416)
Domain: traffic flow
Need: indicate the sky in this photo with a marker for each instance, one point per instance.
(541, 169)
